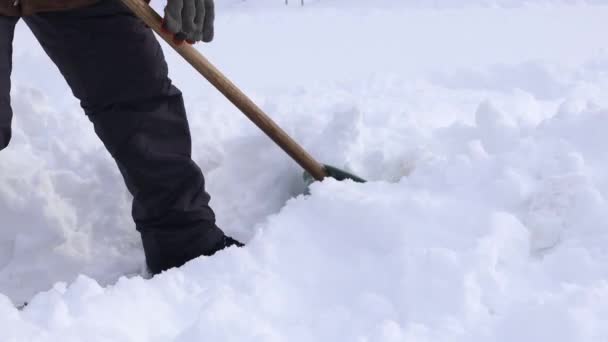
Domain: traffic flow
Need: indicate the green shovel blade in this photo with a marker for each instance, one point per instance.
(334, 173)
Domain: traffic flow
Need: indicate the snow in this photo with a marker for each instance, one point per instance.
(480, 124)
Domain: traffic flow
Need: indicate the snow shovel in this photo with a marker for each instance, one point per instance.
(314, 169)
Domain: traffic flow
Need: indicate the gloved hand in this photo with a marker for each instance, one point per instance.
(190, 20)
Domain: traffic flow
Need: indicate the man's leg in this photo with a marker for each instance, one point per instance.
(7, 30)
(116, 68)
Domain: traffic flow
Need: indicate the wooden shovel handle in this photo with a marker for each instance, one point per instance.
(230, 91)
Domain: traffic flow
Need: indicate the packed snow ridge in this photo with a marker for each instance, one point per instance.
(485, 218)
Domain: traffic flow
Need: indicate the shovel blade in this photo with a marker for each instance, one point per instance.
(335, 173)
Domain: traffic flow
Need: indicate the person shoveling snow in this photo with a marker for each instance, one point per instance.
(116, 68)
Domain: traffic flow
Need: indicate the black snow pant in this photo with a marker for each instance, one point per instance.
(116, 68)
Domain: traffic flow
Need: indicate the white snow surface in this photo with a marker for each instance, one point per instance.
(480, 124)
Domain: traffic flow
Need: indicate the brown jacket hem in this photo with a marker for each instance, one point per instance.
(30, 7)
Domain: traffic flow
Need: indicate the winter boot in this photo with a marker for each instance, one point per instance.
(165, 250)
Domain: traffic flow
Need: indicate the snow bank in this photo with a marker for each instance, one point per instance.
(63, 205)
(493, 229)
(498, 235)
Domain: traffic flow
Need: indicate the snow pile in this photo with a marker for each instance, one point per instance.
(498, 235)
(60, 195)
(485, 219)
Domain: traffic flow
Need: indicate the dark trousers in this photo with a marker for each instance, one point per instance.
(116, 68)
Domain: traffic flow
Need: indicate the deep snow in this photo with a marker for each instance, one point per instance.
(480, 123)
